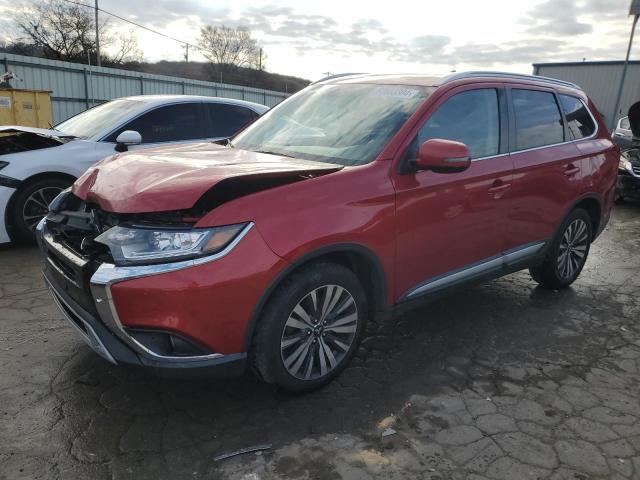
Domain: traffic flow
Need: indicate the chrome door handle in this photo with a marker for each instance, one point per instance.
(499, 188)
(571, 170)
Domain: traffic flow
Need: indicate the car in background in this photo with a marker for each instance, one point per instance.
(37, 164)
(356, 195)
(628, 186)
(622, 135)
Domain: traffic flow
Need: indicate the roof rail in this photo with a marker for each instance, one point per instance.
(515, 76)
(338, 75)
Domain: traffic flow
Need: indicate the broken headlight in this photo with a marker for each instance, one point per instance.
(139, 245)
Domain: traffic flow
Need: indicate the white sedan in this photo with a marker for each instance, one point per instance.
(37, 164)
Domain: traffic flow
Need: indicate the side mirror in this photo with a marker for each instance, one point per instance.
(126, 138)
(443, 156)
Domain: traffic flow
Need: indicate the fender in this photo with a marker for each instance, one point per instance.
(380, 283)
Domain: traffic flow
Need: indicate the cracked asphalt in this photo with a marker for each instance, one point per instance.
(500, 381)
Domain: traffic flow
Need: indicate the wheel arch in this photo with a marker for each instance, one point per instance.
(8, 217)
(592, 204)
(357, 257)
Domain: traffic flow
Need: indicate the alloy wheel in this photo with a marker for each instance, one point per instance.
(36, 206)
(573, 249)
(319, 332)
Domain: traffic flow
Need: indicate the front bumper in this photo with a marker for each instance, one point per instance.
(5, 195)
(628, 185)
(84, 298)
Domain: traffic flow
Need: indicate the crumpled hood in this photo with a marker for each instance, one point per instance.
(50, 133)
(175, 177)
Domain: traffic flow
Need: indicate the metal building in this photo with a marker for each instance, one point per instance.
(76, 87)
(601, 81)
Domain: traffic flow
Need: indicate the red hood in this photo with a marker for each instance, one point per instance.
(174, 178)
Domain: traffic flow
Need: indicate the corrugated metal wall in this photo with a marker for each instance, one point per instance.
(600, 81)
(77, 87)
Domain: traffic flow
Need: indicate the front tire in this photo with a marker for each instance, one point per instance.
(310, 328)
(31, 204)
(567, 254)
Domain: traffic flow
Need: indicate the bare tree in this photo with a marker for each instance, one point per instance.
(229, 46)
(66, 31)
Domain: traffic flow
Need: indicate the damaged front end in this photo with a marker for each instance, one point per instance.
(25, 142)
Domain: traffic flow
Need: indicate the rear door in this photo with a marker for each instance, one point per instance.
(449, 223)
(547, 166)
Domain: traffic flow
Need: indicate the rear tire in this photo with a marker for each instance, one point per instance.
(31, 204)
(310, 328)
(567, 254)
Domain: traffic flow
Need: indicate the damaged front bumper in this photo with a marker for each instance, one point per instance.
(7, 189)
(86, 302)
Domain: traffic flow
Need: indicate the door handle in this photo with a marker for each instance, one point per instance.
(498, 187)
(571, 170)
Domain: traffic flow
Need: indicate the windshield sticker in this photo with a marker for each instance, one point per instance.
(396, 92)
(5, 102)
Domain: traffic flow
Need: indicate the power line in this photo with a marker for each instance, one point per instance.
(137, 24)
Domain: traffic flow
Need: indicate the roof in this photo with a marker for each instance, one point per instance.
(162, 99)
(576, 64)
(435, 81)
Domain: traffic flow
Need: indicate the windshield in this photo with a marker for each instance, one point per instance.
(98, 119)
(348, 124)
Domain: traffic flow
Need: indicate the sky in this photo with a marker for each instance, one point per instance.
(309, 39)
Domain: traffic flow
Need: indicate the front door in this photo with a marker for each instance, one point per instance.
(451, 226)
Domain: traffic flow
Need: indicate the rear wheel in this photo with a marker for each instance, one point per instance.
(310, 328)
(31, 204)
(567, 254)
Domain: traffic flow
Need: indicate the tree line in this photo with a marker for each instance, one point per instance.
(59, 30)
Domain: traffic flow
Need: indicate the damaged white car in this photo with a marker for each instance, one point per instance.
(36, 164)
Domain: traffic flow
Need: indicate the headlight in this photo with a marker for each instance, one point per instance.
(624, 164)
(138, 245)
(3, 164)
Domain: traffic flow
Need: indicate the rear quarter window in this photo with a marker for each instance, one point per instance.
(579, 121)
(538, 119)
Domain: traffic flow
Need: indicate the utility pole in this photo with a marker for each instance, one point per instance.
(98, 62)
(186, 52)
(260, 61)
(635, 11)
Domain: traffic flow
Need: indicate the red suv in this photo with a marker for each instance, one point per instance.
(353, 196)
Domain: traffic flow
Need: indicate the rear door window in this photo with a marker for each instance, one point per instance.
(471, 117)
(225, 119)
(579, 122)
(171, 123)
(538, 119)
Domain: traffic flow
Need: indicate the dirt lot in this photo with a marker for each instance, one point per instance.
(501, 381)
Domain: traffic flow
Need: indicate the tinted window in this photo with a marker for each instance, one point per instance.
(167, 124)
(579, 121)
(469, 117)
(225, 120)
(538, 120)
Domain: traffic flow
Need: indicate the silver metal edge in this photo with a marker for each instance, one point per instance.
(505, 259)
(101, 349)
(108, 273)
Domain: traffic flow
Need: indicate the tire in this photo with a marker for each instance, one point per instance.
(286, 350)
(31, 204)
(567, 254)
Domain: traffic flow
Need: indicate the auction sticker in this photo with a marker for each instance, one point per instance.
(5, 102)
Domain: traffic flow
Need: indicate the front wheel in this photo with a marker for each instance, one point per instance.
(31, 204)
(310, 328)
(567, 254)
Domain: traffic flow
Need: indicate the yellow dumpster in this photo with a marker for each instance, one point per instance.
(27, 108)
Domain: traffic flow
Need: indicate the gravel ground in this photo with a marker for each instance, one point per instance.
(501, 381)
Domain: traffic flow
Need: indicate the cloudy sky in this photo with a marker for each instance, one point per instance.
(307, 38)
